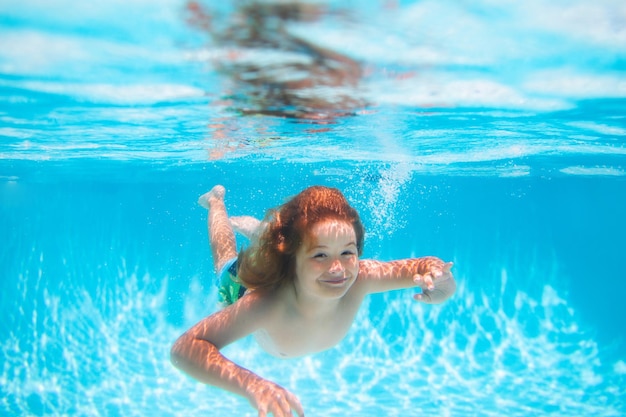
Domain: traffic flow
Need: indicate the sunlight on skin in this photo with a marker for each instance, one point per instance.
(251, 227)
(311, 309)
(431, 271)
(327, 264)
(221, 236)
(204, 362)
(248, 226)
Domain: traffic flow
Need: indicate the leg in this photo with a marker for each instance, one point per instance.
(247, 226)
(221, 235)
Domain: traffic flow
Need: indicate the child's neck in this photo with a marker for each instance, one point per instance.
(312, 307)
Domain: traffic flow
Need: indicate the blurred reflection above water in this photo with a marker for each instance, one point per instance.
(275, 72)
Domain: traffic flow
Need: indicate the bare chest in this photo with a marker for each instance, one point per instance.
(292, 335)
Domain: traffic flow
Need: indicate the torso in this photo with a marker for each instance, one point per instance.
(288, 334)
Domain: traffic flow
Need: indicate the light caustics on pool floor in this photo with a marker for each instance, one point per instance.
(497, 350)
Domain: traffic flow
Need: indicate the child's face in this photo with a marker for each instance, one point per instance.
(327, 264)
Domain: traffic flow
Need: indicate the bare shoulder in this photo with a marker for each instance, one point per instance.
(236, 321)
(254, 307)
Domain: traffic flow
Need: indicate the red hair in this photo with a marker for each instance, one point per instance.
(271, 260)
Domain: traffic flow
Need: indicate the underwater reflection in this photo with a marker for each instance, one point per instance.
(274, 72)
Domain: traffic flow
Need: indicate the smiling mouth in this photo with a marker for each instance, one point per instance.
(335, 281)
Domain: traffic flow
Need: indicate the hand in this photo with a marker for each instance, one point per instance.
(268, 397)
(437, 283)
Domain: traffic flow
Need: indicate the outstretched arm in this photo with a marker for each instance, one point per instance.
(429, 273)
(197, 353)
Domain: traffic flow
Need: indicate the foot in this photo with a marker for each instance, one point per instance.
(216, 193)
(247, 226)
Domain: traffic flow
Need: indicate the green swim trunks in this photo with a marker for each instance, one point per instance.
(229, 289)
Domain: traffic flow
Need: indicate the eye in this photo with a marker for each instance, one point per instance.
(348, 253)
(319, 256)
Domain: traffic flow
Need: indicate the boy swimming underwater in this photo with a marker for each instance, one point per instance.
(303, 285)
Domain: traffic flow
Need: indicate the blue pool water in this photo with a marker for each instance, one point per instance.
(491, 135)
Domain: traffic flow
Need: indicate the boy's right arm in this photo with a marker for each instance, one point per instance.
(197, 353)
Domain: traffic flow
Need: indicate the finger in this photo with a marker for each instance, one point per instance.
(295, 405)
(447, 266)
(417, 278)
(428, 281)
(275, 410)
(422, 297)
(285, 406)
(437, 273)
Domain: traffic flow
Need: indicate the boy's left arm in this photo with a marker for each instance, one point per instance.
(429, 273)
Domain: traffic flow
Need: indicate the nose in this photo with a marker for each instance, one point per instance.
(336, 267)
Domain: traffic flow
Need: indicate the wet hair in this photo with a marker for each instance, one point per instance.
(271, 260)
